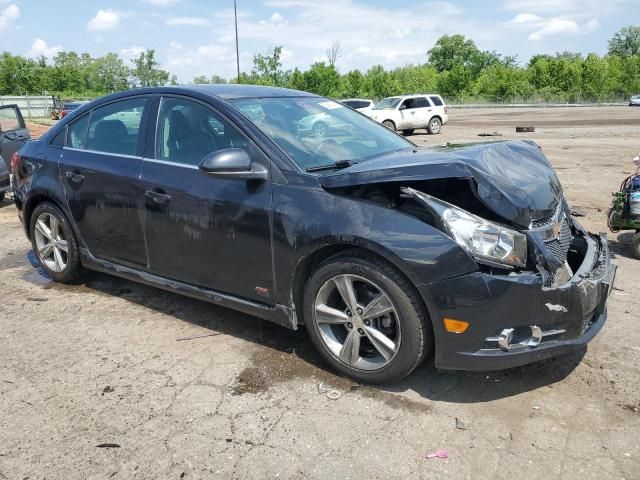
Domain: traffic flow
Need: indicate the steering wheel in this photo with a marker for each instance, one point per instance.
(320, 149)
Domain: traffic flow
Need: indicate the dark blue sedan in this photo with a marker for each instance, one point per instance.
(232, 194)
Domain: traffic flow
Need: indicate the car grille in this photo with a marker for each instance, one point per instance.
(544, 221)
(559, 246)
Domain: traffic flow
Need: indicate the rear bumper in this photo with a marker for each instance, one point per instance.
(563, 319)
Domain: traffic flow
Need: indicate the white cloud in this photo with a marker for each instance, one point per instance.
(8, 16)
(105, 20)
(390, 34)
(131, 53)
(188, 21)
(527, 18)
(209, 55)
(162, 3)
(39, 48)
(563, 26)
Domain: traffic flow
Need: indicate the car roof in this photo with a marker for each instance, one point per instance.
(235, 91)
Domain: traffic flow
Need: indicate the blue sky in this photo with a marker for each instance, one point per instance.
(195, 37)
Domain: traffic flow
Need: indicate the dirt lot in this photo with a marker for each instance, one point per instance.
(100, 363)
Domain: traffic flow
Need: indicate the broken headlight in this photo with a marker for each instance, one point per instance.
(485, 241)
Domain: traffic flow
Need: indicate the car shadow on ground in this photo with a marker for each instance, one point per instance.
(620, 244)
(295, 348)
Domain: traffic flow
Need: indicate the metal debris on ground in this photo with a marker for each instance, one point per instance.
(108, 389)
(460, 425)
(492, 134)
(525, 129)
(334, 395)
(438, 454)
(331, 393)
(108, 445)
(193, 337)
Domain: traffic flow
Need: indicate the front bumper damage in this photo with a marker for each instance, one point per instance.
(514, 319)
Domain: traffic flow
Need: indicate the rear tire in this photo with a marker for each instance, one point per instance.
(434, 127)
(635, 245)
(54, 243)
(389, 328)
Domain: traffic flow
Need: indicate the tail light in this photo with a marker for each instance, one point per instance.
(15, 162)
(446, 109)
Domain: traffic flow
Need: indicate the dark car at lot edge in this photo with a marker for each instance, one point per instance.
(69, 107)
(13, 134)
(384, 251)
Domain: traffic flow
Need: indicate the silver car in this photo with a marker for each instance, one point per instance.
(634, 101)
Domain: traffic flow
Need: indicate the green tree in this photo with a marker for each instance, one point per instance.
(267, 68)
(625, 42)
(146, 73)
(108, 74)
(203, 80)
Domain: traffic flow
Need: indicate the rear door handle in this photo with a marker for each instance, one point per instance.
(158, 196)
(75, 177)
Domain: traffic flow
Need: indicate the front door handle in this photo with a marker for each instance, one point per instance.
(75, 177)
(158, 196)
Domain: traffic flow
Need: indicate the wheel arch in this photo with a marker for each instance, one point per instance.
(310, 262)
(37, 198)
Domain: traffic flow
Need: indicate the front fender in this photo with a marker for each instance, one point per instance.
(308, 219)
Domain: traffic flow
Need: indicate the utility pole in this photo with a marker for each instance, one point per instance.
(235, 14)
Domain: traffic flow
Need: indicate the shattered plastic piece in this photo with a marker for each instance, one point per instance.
(438, 454)
(556, 308)
(492, 134)
(460, 425)
(334, 395)
(108, 445)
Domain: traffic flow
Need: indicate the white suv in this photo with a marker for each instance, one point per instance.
(408, 112)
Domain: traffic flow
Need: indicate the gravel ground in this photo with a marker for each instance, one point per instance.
(101, 363)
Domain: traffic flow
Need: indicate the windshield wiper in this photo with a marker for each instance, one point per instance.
(330, 166)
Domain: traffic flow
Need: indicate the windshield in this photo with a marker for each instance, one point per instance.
(316, 132)
(388, 103)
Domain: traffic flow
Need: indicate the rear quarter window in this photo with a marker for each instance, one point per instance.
(437, 101)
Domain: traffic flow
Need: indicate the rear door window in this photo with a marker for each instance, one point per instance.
(115, 128)
(421, 102)
(437, 101)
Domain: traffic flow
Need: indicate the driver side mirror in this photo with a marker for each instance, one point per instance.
(232, 163)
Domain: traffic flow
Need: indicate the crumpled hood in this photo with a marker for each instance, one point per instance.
(513, 178)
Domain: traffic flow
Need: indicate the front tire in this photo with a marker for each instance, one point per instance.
(635, 245)
(434, 127)
(366, 319)
(390, 125)
(54, 243)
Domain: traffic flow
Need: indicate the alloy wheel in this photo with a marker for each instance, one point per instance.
(51, 244)
(435, 125)
(357, 322)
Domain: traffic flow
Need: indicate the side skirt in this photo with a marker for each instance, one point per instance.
(280, 314)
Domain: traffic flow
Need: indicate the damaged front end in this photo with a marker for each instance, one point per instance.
(542, 281)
